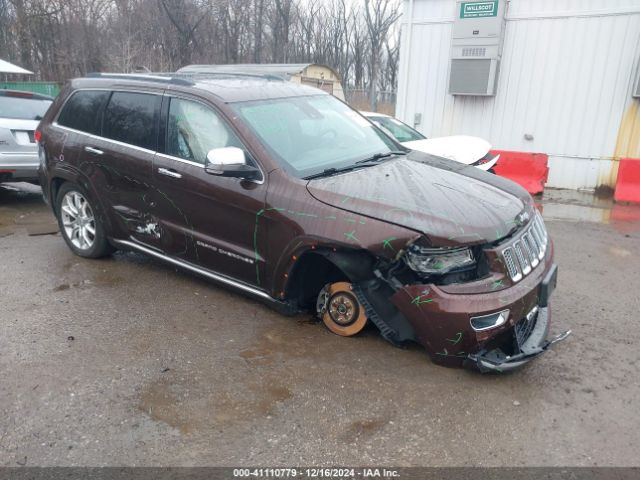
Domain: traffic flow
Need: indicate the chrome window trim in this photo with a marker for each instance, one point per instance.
(55, 123)
(182, 160)
(98, 89)
(145, 150)
(104, 139)
(200, 271)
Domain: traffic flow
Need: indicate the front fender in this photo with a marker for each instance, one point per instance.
(357, 264)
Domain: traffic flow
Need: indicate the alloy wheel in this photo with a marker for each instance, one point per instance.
(78, 220)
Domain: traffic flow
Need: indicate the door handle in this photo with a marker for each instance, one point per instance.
(169, 173)
(95, 151)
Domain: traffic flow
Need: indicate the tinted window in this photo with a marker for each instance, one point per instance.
(194, 129)
(131, 118)
(81, 110)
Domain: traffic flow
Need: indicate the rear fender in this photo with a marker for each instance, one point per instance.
(64, 172)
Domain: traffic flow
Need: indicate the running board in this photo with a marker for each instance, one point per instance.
(205, 273)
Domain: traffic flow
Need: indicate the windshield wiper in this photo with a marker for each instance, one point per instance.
(327, 172)
(367, 162)
(380, 156)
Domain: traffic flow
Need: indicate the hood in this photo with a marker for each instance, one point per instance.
(16, 124)
(460, 148)
(450, 203)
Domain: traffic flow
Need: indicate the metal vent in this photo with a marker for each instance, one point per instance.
(539, 223)
(531, 249)
(522, 258)
(538, 240)
(510, 262)
(527, 251)
(473, 76)
(474, 52)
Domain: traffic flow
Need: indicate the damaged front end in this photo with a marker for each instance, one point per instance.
(527, 342)
(482, 306)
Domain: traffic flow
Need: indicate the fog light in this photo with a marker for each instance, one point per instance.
(485, 322)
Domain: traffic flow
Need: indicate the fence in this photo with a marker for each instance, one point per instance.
(360, 99)
(44, 88)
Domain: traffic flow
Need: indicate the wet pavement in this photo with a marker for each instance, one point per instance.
(126, 361)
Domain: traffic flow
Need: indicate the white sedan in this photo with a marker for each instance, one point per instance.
(461, 148)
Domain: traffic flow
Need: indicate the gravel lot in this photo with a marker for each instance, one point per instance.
(126, 361)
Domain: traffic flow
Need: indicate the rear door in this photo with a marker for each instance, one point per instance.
(205, 219)
(122, 161)
(76, 123)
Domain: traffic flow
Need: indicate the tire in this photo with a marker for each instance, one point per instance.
(80, 223)
(340, 310)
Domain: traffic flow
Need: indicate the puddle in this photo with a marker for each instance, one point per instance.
(570, 205)
(190, 404)
(103, 278)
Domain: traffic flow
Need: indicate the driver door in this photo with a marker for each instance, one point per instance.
(206, 219)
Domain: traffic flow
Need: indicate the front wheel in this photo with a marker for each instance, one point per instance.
(340, 310)
(80, 226)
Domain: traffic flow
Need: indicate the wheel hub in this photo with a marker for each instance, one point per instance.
(343, 308)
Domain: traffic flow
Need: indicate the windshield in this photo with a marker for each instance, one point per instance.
(400, 131)
(23, 108)
(312, 134)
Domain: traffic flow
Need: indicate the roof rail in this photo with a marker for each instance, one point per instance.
(183, 78)
(203, 75)
(151, 77)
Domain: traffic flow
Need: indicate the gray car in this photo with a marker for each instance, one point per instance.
(20, 114)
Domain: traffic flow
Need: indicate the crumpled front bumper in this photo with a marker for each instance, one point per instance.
(496, 361)
(440, 320)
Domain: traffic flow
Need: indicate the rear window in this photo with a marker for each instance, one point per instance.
(81, 110)
(23, 108)
(131, 118)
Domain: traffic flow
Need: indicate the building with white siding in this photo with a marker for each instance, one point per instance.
(567, 74)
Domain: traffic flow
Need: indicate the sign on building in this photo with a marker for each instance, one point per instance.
(479, 9)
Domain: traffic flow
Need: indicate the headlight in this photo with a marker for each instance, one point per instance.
(438, 260)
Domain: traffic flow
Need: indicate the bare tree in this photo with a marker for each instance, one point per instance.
(60, 39)
(380, 16)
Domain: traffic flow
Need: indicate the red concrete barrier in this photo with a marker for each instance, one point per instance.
(530, 170)
(628, 182)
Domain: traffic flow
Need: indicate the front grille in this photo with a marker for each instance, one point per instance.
(523, 258)
(524, 327)
(531, 248)
(510, 262)
(527, 251)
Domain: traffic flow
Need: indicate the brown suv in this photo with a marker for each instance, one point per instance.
(287, 194)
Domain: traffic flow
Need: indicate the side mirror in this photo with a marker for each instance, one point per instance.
(230, 162)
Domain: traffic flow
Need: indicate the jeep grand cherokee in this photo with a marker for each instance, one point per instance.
(285, 193)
